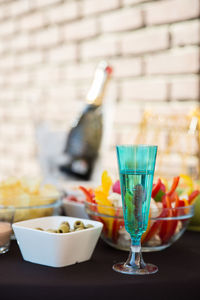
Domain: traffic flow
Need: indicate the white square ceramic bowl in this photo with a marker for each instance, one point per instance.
(56, 249)
(74, 209)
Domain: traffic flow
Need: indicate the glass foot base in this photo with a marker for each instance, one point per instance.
(126, 269)
(3, 249)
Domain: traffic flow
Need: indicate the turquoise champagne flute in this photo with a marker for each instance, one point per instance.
(136, 165)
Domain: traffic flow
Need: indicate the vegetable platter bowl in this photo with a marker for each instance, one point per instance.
(46, 241)
(164, 227)
(171, 209)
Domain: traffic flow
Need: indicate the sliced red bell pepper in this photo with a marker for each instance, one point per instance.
(181, 203)
(117, 224)
(166, 201)
(114, 227)
(156, 188)
(174, 185)
(88, 195)
(176, 200)
(175, 213)
(173, 197)
(169, 226)
(170, 229)
(192, 196)
(155, 227)
(72, 198)
(90, 198)
(167, 206)
(105, 227)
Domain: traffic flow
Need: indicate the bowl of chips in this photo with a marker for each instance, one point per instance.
(29, 198)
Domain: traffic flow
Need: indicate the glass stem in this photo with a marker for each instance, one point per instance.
(135, 259)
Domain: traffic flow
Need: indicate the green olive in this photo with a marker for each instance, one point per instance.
(78, 224)
(52, 230)
(39, 228)
(63, 228)
(88, 226)
(65, 223)
(79, 228)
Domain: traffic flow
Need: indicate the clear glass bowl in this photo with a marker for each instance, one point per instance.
(38, 207)
(161, 231)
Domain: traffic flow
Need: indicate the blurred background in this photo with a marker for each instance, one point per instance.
(49, 50)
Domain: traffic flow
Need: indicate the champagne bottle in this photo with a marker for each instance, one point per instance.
(84, 138)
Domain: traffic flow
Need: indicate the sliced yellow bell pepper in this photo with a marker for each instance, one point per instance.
(101, 197)
(106, 182)
(188, 181)
(102, 192)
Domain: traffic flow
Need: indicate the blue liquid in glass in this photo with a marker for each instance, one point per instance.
(136, 186)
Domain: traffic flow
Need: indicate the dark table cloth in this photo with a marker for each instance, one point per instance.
(178, 276)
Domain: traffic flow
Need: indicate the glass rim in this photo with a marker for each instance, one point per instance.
(53, 197)
(53, 204)
(185, 212)
(121, 208)
(136, 145)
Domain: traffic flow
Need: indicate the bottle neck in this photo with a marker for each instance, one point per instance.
(96, 92)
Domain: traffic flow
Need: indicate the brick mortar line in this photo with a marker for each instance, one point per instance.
(116, 80)
(64, 23)
(141, 55)
(31, 10)
(46, 7)
(141, 103)
(100, 34)
(162, 77)
(57, 66)
(107, 11)
(142, 3)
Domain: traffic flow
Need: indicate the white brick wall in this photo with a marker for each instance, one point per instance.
(127, 67)
(63, 53)
(176, 61)
(20, 43)
(144, 90)
(94, 7)
(124, 19)
(7, 28)
(48, 53)
(99, 48)
(186, 33)
(47, 37)
(63, 13)
(19, 8)
(32, 21)
(184, 88)
(145, 40)
(170, 11)
(80, 30)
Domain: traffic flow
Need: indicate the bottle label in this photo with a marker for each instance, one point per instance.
(79, 166)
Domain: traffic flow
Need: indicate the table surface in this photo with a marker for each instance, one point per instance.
(178, 276)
